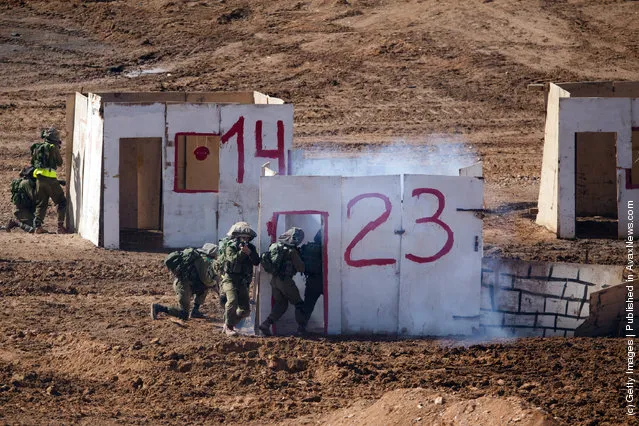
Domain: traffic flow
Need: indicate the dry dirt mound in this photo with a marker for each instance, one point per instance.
(428, 407)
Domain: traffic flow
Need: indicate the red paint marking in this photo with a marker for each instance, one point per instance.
(271, 227)
(175, 171)
(271, 153)
(358, 263)
(201, 152)
(434, 219)
(237, 129)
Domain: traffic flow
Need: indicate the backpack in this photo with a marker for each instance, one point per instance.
(41, 157)
(311, 254)
(19, 196)
(273, 259)
(179, 262)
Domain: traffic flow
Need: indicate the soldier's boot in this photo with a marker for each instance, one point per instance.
(229, 330)
(195, 312)
(157, 308)
(62, 229)
(265, 327)
(26, 228)
(11, 224)
(40, 230)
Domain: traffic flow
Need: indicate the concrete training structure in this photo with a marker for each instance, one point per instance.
(184, 166)
(591, 155)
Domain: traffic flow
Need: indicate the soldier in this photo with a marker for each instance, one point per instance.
(23, 196)
(46, 158)
(194, 275)
(311, 254)
(284, 262)
(235, 262)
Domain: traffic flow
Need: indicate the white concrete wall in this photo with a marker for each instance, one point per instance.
(424, 282)
(548, 214)
(635, 112)
(588, 115)
(92, 173)
(370, 251)
(74, 206)
(189, 217)
(294, 194)
(124, 121)
(239, 178)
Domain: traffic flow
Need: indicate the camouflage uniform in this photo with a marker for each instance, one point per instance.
(195, 281)
(47, 185)
(283, 287)
(24, 209)
(236, 269)
(311, 254)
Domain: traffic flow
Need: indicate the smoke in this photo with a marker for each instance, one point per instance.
(434, 155)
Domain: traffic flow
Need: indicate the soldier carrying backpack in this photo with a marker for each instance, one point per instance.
(194, 275)
(46, 158)
(283, 261)
(235, 262)
(23, 196)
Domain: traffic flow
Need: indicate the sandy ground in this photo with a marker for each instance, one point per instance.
(76, 344)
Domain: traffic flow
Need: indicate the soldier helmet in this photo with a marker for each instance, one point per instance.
(51, 134)
(209, 249)
(241, 229)
(293, 236)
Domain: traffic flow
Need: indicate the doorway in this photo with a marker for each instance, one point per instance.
(313, 226)
(596, 184)
(140, 192)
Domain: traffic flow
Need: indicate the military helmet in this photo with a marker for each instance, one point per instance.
(209, 249)
(51, 134)
(241, 229)
(293, 236)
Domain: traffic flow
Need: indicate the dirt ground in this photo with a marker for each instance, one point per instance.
(76, 344)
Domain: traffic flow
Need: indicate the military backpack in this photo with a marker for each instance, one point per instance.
(277, 260)
(311, 254)
(41, 156)
(19, 196)
(180, 262)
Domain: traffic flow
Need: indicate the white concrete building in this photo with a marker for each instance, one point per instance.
(590, 161)
(177, 168)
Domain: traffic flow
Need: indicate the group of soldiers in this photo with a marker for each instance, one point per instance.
(30, 193)
(230, 265)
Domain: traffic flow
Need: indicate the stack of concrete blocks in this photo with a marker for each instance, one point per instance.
(521, 298)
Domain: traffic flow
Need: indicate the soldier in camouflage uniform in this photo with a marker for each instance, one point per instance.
(284, 289)
(236, 259)
(46, 158)
(196, 280)
(24, 201)
(311, 254)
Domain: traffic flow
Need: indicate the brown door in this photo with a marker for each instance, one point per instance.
(596, 174)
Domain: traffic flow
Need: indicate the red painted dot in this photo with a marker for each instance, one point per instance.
(201, 152)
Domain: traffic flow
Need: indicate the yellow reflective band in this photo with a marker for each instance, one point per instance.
(50, 173)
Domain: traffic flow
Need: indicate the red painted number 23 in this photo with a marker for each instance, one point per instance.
(441, 203)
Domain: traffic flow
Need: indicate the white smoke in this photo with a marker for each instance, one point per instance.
(434, 155)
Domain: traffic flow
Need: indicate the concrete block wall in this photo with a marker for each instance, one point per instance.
(520, 298)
